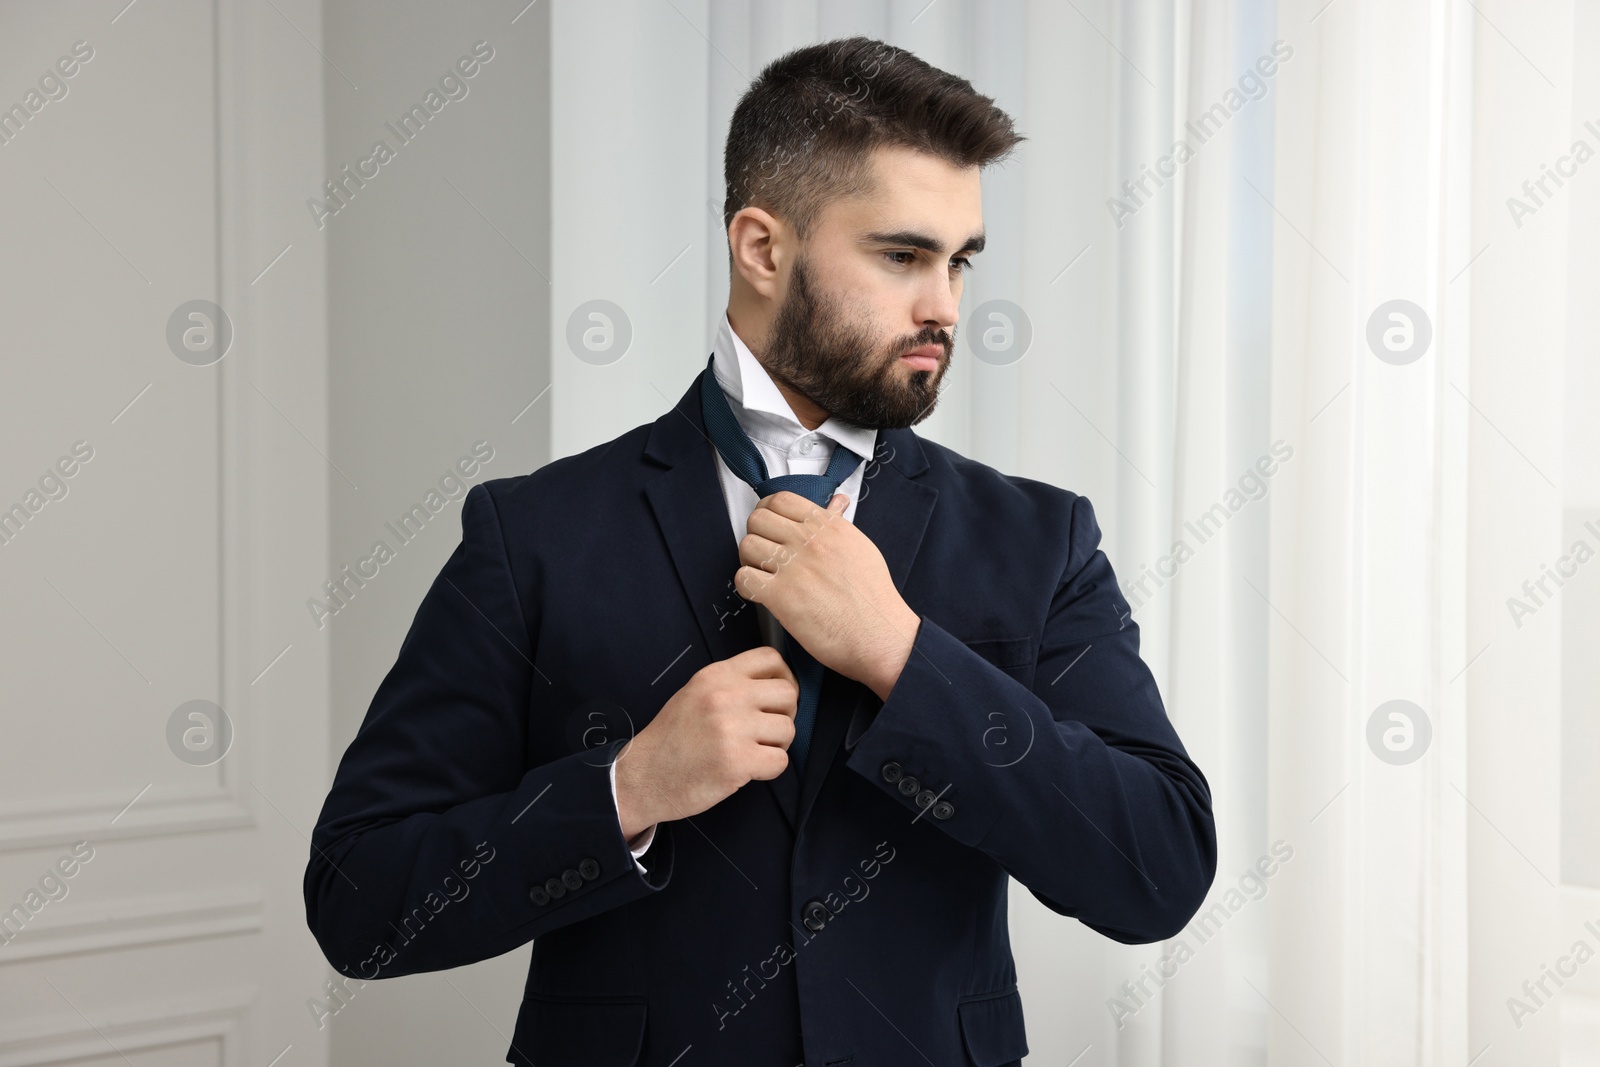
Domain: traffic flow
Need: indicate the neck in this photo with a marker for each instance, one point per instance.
(809, 415)
(806, 413)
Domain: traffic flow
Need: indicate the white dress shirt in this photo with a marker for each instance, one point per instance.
(786, 447)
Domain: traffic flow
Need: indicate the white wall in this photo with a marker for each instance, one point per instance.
(167, 166)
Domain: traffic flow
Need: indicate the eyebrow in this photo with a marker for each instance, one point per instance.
(916, 239)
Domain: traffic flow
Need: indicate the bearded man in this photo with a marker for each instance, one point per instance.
(748, 717)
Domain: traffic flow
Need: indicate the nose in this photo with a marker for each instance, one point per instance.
(938, 307)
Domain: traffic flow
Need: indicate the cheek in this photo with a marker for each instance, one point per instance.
(866, 303)
(876, 325)
(861, 279)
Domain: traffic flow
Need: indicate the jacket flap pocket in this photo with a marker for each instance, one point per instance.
(993, 1029)
(579, 1031)
(1004, 651)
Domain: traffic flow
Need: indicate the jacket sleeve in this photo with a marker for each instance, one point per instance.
(439, 844)
(1079, 788)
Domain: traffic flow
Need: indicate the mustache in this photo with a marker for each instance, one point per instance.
(927, 337)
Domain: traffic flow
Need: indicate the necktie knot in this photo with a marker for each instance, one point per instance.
(742, 457)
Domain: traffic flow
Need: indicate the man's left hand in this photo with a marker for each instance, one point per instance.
(828, 586)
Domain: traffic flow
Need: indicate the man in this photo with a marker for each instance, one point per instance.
(756, 798)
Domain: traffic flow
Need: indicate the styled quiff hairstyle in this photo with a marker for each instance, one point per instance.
(804, 131)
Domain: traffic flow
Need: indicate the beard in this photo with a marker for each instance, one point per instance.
(819, 350)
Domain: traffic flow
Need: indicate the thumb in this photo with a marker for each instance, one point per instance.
(838, 502)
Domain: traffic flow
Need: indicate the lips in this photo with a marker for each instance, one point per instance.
(924, 358)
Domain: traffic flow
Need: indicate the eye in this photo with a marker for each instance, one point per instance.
(957, 265)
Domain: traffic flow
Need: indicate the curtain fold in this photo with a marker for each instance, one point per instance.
(1226, 465)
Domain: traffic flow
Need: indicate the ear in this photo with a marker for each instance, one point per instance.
(759, 243)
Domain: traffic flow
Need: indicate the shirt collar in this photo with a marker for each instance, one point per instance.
(760, 407)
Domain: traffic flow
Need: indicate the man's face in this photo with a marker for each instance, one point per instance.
(880, 276)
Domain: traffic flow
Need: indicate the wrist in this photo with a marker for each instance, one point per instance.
(883, 676)
(633, 813)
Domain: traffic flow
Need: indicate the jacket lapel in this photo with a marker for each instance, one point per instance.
(686, 499)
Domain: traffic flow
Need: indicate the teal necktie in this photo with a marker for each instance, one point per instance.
(741, 456)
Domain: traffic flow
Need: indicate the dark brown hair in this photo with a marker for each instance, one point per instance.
(803, 132)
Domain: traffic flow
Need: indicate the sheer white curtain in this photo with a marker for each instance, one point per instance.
(1430, 489)
(1369, 949)
(1308, 530)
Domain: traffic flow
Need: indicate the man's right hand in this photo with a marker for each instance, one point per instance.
(732, 722)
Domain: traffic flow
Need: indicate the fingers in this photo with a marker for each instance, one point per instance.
(771, 761)
(757, 551)
(763, 661)
(768, 685)
(787, 504)
(772, 730)
(788, 517)
(751, 583)
(777, 695)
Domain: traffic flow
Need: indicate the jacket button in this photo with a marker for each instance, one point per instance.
(908, 785)
(539, 896)
(891, 772)
(554, 887)
(925, 798)
(571, 879)
(589, 868)
(816, 915)
(943, 810)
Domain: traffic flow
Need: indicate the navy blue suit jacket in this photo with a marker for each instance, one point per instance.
(857, 916)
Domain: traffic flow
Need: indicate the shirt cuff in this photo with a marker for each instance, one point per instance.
(640, 844)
